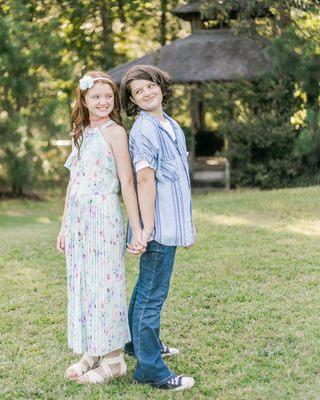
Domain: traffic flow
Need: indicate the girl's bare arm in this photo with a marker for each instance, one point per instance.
(118, 140)
(65, 207)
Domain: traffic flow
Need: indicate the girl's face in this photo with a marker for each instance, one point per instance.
(146, 95)
(99, 100)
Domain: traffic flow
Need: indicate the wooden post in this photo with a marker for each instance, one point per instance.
(227, 175)
(196, 23)
(196, 118)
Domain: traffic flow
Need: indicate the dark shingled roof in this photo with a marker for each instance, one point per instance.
(190, 10)
(207, 55)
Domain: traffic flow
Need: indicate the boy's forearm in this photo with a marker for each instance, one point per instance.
(147, 199)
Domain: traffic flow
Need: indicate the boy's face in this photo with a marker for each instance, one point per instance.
(100, 100)
(146, 95)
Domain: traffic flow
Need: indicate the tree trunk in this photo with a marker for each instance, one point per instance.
(163, 22)
(122, 16)
(285, 17)
(107, 38)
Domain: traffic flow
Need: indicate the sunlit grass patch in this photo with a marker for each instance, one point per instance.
(243, 306)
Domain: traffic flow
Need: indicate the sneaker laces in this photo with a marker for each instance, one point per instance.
(175, 380)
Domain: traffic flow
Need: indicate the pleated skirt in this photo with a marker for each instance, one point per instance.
(95, 258)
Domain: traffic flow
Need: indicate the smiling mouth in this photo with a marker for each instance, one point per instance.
(151, 98)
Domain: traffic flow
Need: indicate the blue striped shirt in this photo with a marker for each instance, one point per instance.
(150, 142)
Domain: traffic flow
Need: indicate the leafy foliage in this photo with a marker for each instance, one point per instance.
(45, 46)
(271, 125)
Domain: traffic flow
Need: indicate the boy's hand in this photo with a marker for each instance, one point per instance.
(137, 245)
(61, 241)
(190, 245)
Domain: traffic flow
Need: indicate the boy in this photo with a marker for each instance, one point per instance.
(159, 156)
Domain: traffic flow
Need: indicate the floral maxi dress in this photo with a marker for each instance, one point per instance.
(95, 250)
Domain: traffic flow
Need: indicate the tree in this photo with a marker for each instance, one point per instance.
(25, 48)
(44, 48)
(271, 124)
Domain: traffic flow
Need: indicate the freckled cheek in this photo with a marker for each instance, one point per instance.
(91, 106)
(92, 103)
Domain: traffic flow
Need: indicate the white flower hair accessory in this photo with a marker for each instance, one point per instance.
(87, 81)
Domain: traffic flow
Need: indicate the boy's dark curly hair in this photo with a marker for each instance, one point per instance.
(148, 73)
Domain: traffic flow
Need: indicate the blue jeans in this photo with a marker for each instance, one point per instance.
(147, 299)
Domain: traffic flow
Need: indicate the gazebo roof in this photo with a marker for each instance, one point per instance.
(206, 55)
(189, 11)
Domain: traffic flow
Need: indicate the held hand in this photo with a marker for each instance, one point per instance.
(140, 245)
(61, 241)
(136, 246)
(133, 250)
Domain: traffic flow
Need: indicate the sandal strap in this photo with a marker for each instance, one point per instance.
(80, 367)
(113, 360)
(89, 360)
(106, 368)
(94, 377)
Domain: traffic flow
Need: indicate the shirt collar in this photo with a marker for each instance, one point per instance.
(173, 122)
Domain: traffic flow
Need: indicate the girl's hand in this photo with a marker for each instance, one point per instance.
(139, 242)
(61, 241)
(137, 245)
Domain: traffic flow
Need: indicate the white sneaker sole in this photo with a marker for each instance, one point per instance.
(172, 354)
(188, 385)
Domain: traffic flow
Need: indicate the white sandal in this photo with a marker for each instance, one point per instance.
(92, 377)
(80, 368)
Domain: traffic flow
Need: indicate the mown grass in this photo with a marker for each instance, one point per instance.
(243, 308)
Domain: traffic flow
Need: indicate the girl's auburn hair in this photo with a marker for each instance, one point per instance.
(80, 118)
(148, 73)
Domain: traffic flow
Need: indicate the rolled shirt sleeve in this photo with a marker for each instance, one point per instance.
(141, 165)
(143, 144)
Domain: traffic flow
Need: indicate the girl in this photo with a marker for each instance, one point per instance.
(91, 234)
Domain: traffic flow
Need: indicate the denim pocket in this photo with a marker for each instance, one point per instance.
(151, 258)
(155, 247)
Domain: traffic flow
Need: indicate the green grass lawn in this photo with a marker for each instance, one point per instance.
(243, 308)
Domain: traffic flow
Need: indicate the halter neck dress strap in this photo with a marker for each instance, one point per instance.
(108, 123)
